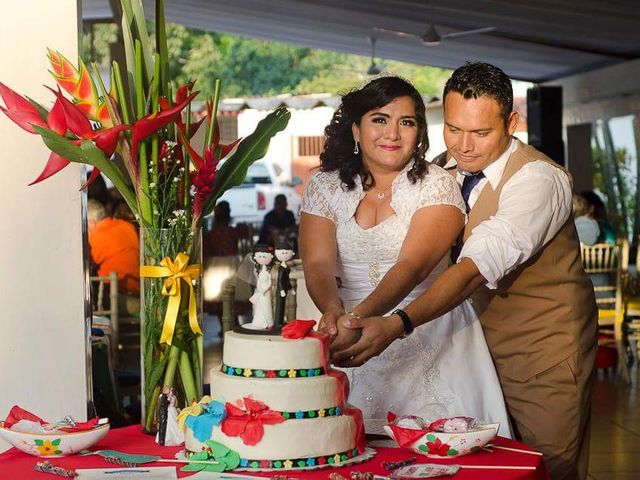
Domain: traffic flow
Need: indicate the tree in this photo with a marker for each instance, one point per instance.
(250, 67)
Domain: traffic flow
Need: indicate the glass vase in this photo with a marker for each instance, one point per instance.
(165, 299)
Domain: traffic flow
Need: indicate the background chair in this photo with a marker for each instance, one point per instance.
(104, 301)
(631, 324)
(606, 264)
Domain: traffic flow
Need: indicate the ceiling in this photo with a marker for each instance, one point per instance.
(534, 40)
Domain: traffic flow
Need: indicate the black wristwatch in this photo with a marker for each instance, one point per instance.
(406, 321)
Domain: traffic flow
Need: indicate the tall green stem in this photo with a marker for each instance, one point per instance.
(143, 168)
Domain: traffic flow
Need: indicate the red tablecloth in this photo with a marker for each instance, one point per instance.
(18, 465)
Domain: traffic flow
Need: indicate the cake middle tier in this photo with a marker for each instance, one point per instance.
(282, 394)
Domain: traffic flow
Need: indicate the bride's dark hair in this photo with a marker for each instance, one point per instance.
(338, 155)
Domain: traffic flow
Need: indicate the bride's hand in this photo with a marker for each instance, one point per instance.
(346, 336)
(328, 322)
(377, 334)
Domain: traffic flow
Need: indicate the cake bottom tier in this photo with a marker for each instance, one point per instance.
(313, 440)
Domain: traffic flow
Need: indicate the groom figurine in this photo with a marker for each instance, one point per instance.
(520, 264)
(284, 253)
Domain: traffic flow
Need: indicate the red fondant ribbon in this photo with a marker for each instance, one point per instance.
(298, 329)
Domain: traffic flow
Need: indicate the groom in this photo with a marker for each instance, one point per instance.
(520, 264)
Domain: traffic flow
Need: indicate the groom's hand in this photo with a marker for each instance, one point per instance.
(346, 336)
(377, 334)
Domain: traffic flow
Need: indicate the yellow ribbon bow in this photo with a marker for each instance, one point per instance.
(176, 270)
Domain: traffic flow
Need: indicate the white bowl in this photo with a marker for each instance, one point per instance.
(53, 444)
(449, 445)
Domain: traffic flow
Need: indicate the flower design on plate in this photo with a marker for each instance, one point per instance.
(48, 447)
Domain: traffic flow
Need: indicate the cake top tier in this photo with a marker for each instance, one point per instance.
(273, 352)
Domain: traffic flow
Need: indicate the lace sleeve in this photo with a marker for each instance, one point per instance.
(441, 190)
(316, 199)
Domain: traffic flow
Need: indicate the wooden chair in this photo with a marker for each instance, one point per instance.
(104, 302)
(606, 264)
(631, 325)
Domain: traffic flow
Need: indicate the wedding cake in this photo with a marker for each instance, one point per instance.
(284, 405)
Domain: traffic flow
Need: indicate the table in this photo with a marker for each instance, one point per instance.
(19, 465)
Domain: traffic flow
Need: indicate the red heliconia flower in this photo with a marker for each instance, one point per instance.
(76, 122)
(249, 424)
(220, 151)
(203, 180)
(20, 110)
(150, 124)
(64, 116)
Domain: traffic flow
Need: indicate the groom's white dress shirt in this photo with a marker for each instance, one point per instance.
(534, 204)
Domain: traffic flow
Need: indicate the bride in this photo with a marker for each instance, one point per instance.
(376, 228)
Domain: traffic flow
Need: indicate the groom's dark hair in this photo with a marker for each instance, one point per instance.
(474, 80)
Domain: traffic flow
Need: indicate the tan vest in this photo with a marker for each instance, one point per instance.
(543, 311)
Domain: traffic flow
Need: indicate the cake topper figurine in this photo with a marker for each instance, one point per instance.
(169, 433)
(261, 298)
(284, 253)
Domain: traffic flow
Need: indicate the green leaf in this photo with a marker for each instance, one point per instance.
(201, 455)
(142, 34)
(38, 442)
(156, 373)
(56, 442)
(431, 437)
(219, 467)
(44, 113)
(89, 154)
(252, 148)
(232, 460)
(452, 452)
(218, 450)
(423, 448)
(161, 49)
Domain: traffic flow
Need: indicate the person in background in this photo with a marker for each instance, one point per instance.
(114, 247)
(279, 220)
(598, 212)
(587, 227)
(222, 240)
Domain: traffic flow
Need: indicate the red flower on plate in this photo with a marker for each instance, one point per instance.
(298, 329)
(248, 424)
(438, 448)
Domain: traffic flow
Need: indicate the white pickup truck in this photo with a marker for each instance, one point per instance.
(250, 201)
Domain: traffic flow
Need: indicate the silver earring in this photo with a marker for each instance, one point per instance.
(356, 148)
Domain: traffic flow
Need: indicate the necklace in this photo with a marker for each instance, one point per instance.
(380, 195)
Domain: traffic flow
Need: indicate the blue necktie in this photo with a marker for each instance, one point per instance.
(470, 181)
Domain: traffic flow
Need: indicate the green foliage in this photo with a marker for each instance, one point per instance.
(250, 67)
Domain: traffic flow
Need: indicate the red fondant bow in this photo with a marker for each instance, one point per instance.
(249, 424)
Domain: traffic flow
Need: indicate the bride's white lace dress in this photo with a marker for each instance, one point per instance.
(444, 368)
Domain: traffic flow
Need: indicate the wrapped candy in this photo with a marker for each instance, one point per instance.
(453, 425)
(425, 470)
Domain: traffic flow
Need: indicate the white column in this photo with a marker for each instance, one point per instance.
(42, 325)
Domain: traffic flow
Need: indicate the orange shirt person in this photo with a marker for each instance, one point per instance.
(114, 247)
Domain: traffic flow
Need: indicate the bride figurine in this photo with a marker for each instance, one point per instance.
(261, 298)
